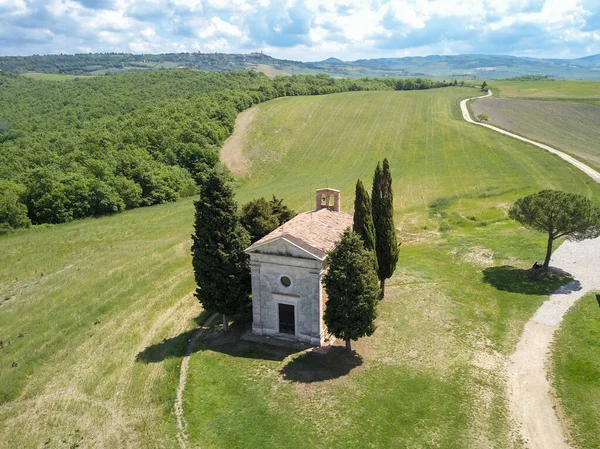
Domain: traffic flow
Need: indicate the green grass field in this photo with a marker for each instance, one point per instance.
(582, 91)
(95, 315)
(576, 371)
(570, 127)
(52, 76)
(78, 303)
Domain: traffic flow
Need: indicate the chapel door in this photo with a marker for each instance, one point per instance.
(287, 321)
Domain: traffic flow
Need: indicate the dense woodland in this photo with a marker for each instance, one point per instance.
(95, 146)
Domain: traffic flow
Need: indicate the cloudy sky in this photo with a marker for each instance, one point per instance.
(305, 30)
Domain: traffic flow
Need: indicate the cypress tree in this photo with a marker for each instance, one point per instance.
(386, 244)
(221, 267)
(363, 219)
(352, 290)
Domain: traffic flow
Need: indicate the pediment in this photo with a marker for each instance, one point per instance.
(287, 246)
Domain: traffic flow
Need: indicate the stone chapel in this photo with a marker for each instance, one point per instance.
(288, 265)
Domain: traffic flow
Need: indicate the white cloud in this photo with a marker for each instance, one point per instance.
(302, 29)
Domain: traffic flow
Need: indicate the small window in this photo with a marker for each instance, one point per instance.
(285, 281)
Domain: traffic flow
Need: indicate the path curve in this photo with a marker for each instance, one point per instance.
(530, 400)
(181, 424)
(571, 160)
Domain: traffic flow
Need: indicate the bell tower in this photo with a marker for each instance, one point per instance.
(328, 199)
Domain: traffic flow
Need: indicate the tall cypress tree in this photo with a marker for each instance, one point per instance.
(221, 267)
(351, 285)
(363, 219)
(386, 244)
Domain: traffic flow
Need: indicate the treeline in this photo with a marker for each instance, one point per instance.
(530, 78)
(324, 84)
(96, 146)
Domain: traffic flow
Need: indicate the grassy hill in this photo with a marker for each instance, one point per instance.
(78, 303)
(95, 314)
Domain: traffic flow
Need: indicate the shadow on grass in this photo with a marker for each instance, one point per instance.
(529, 282)
(214, 340)
(173, 347)
(230, 343)
(311, 367)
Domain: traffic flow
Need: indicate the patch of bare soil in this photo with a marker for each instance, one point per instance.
(232, 154)
(479, 256)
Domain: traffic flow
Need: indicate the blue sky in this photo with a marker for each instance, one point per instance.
(305, 30)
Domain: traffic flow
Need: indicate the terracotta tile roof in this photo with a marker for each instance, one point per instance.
(316, 231)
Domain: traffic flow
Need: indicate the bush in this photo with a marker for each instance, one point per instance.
(13, 213)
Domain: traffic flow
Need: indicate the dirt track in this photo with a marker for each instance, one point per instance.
(231, 153)
(531, 402)
(181, 424)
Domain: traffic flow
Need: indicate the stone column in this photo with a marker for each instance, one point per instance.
(256, 298)
(316, 299)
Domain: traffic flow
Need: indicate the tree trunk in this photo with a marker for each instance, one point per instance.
(348, 346)
(381, 289)
(225, 323)
(548, 252)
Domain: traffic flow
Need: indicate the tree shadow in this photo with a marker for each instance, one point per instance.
(311, 367)
(529, 282)
(168, 348)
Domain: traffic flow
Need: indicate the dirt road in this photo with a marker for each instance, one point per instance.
(531, 403)
(571, 160)
(231, 153)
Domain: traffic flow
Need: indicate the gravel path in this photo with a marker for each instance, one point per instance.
(530, 400)
(571, 160)
(531, 403)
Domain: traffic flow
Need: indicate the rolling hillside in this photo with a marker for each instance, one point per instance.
(95, 314)
(446, 66)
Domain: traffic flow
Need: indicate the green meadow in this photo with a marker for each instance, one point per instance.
(560, 90)
(572, 127)
(95, 315)
(576, 371)
(52, 76)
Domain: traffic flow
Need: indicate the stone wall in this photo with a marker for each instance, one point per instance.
(305, 293)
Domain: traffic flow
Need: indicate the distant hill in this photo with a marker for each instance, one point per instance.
(473, 66)
(454, 66)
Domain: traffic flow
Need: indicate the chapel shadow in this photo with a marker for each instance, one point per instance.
(231, 343)
(215, 340)
(529, 281)
(312, 367)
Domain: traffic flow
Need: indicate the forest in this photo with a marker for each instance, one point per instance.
(99, 145)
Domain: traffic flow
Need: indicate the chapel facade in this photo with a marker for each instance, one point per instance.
(287, 265)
